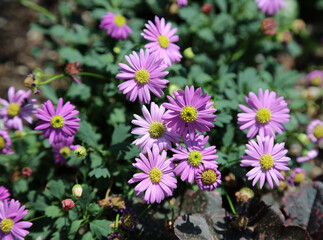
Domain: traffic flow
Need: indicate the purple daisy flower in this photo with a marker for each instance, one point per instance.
(62, 150)
(58, 125)
(10, 225)
(153, 129)
(5, 142)
(163, 40)
(297, 176)
(17, 108)
(189, 111)
(270, 6)
(266, 159)
(266, 114)
(311, 154)
(116, 25)
(182, 3)
(315, 78)
(315, 131)
(208, 178)
(157, 178)
(145, 73)
(192, 157)
(129, 220)
(4, 193)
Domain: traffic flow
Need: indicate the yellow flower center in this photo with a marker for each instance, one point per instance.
(6, 225)
(189, 114)
(263, 115)
(316, 81)
(155, 175)
(299, 177)
(2, 143)
(65, 151)
(142, 76)
(266, 162)
(208, 177)
(163, 41)
(195, 158)
(119, 20)
(318, 131)
(57, 121)
(129, 220)
(156, 129)
(13, 109)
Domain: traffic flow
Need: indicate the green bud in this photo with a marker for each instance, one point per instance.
(173, 87)
(116, 50)
(302, 137)
(188, 53)
(77, 190)
(80, 152)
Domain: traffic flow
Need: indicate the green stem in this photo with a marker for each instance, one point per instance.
(51, 79)
(90, 75)
(36, 218)
(144, 211)
(38, 8)
(230, 203)
(117, 222)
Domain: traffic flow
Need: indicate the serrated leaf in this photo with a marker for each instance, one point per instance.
(100, 228)
(88, 135)
(79, 91)
(74, 228)
(57, 188)
(53, 212)
(100, 172)
(49, 92)
(70, 54)
(120, 133)
(228, 136)
(96, 160)
(86, 197)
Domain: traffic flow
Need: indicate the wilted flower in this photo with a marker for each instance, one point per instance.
(26, 172)
(244, 194)
(315, 131)
(208, 177)
(10, 225)
(77, 191)
(116, 25)
(270, 6)
(17, 108)
(80, 152)
(68, 204)
(163, 39)
(30, 81)
(206, 8)
(144, 74)
(297, 176)
(114, 236)
(266, 159)
(311, 154)
(4, 193)
(269, 26)
(5, 142)
(58, 125)
(116, 202)
(74, 68)
(62, 150)
(315, 78)
(129, 220)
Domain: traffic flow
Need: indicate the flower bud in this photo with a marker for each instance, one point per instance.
(285, 37)
(77, 191)
(68, 204)
(80, 152)
(116, 50)
(298, 25)
(206, 8)
(244, 194)
(188, 53)
(26, 172)
(173, 87)
(269, 26)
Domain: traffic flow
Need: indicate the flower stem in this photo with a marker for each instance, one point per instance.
(117, 222)
(230, 203)
(90, 75)
(38, 8)
(51, 79)
(36, 218)
(144, 211)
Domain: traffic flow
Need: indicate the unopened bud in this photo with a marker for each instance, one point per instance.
(285, 37)
(116, 50)
(298, 25)
(77, 191)
(26, 172)
(68, 204)
(80, 152)
(206, 8)
(188, 53)
(173, 87)
(269, 26)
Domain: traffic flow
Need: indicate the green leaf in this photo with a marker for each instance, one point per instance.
(96, 160)
(88, 135)
(86, 197)
(53, 212)
(74, 228)
(100, 228)
(70, 54)
(49, 92)
(228, 136)
(120, 133)
(100, 172)
(87, 236)
(57, 188)
(61, 222)
(82, 92)
(20, 186)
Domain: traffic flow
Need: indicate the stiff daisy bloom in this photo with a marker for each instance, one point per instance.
(297, 176)
(4, 193)
(163, 39)
(58, 125)
(266, 159)
(116, 25)
(144, 74)
(208, 178)
(62, 150)
(189, 111)
(182, 3)
(157, 178)
(5, 142)
(192, 157)
(315, 78)
(153, 130)
(311, 154)
(10, 225)
(315, 131)
(17, 108)
(270, 6)
(266, 114)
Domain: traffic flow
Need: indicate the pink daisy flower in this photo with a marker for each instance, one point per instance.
(17, 108)
(315, 78)
(163, 39)
(182, 3)
(208, 178)
(157, 178)
(145, 74)
(62, 150)
(153, 129)
(270, 6)
(58, 125)
(189, 111)
(297, 176)
(10, 225)
(192, 157)
(266, 159)
(116, 25)
(5, 142)
(311, 154)
(266, 114)
(315, 131)
(4, 193)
